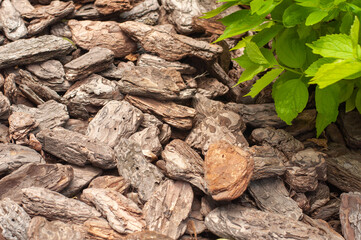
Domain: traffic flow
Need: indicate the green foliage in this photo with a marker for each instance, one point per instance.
(313, 42)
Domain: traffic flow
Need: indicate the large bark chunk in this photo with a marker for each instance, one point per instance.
(147, 60)
(319, 197)
(114, 121)
(168, 208)
(122, 214)
(51, 73)
(228, 170)
(133, 166)
(268, 162)
(20, 124)
(14, 221)
(148, 140)
(76, 148)
(11, 21)
(181, 13)
(111, 6)
(118, 184)
(4, 106)
(99, 229)
(161, 84)
(82, 177)
(88, 34)
(147, 235)
(49, 115)
(51, 176)
(96, 60)
(41, 229)
(223, 126)
(350, 215)
(305, 169)
(54, 206)
(167, 45)
(43, 16)
(89, 95)
(279, 139)
(178, 116)
(237, 222)
(13, 156)
(145, 11)
(183, 163)
(350, 123)
(258, 115)
(211, 87)
(32, 50)
(344, 171)
(271, 195)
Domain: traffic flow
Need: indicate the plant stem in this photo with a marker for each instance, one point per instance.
(290, 69)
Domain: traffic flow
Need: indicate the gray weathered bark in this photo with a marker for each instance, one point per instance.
(11, 21)
(350, 215)
(147, 60)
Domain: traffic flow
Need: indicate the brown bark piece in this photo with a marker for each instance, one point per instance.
(168, 208)
(26, 51)
(323, 226)
(49, 115)
(41, 90)
(123, 215)
(106, 7)
(11, 21)
(43, 16)
(168, 45)
(149, 141)
(145, 11)
(279, 139)
(14, 221)
(350, 125)
(23, 6)
(228, 170)
(82, 177)
(304, 170)
(38, 201)
(271, 195)
(96, 60)
(51, 176)
(61, 29)
(350, 215)
(147, 60)
(319, 197)
(99, 229)
(328, 211)
(268, 162)
(147, 235)
(13, 156)
(116, 120)
(165, 134)
(114, 183)
(157, 83)
(89, 95)
(224, 126)
(20, 124)
(206, 107)
(175, 115)
(183, 163)
(51, 74)
(132, 165)
(41, 229)
(10, 89)
(181, 13)
(208, 25)
(343, 171)
(237, 222)
(88, 34)
(257, 115)
(76, 148)
(87, 11)
(4, 106)
(150, 120)
(4, 138)
(77, 125)
(211, 87)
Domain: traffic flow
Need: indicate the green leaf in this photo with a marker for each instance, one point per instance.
(334, 46)
(255, 54)
(256, 5)
(313, 68)
(331, 73)
(267, 7)
(337, 2)
(327, 107)
(346, 90)
(268, 54)
(244, 61)
(358, 101)
(251, 72)
(294, 15)
(218, 10)
(346, 23)
(242, 43)
(290, 98)
(238, 23)
(264, 81)
(290, 49)
(266, 35)
(315, 17)
(354, 34)
(327, 4)
(308, 3)
(350, 103)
